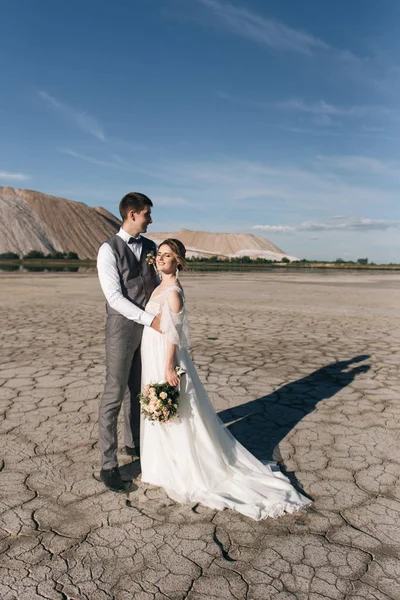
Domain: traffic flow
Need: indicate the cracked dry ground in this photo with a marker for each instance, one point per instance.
(300, 367)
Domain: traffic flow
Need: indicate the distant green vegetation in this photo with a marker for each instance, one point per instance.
(36, 258)
(36, 254)
(304, 262)
(237, 260)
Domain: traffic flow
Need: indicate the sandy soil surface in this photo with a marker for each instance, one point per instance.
(301, 367)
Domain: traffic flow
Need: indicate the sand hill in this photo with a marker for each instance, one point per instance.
(34, 221)
(228, 245)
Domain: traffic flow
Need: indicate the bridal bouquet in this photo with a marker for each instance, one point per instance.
(160, 401)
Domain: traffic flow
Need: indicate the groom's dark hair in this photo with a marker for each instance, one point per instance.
(133, 201)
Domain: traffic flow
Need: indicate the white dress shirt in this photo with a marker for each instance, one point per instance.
(110, 282)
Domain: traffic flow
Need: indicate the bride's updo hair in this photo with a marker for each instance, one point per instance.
(179, 250)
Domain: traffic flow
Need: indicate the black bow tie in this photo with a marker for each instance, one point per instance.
(136, 240)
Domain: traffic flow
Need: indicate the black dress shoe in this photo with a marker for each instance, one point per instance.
(112, 479)
(134, 452)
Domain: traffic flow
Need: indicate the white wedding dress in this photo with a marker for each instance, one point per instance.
(194, 457)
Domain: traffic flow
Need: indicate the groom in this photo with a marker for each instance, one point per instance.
(127, 280)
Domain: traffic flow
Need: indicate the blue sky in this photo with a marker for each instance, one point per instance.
(280, 119)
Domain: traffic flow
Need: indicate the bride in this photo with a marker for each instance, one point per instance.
(193, 456)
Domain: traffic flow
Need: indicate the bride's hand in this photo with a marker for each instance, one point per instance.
(171, 377)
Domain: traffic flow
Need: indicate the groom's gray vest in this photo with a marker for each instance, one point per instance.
(138, 278)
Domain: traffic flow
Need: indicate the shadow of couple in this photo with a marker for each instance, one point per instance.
(260, 425)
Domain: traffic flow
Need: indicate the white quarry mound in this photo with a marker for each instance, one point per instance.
(224, 245)
(34, 221)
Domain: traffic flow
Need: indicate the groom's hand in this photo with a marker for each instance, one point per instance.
(156, 323)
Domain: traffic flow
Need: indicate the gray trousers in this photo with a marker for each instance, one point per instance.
(123, 379)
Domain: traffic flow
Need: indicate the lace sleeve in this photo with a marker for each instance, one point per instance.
(175, 325)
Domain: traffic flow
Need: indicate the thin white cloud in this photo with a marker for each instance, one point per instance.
(333, 224)
(116, 162)
(322, 108)
(223, 181)
(241, 21)
(263, 187)
(359, 163)
(326, 116)
(95, 161)
(275, 228)
(82, 120)
(170, 201)
(13, 176)
(120, 161)
(317, 108)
